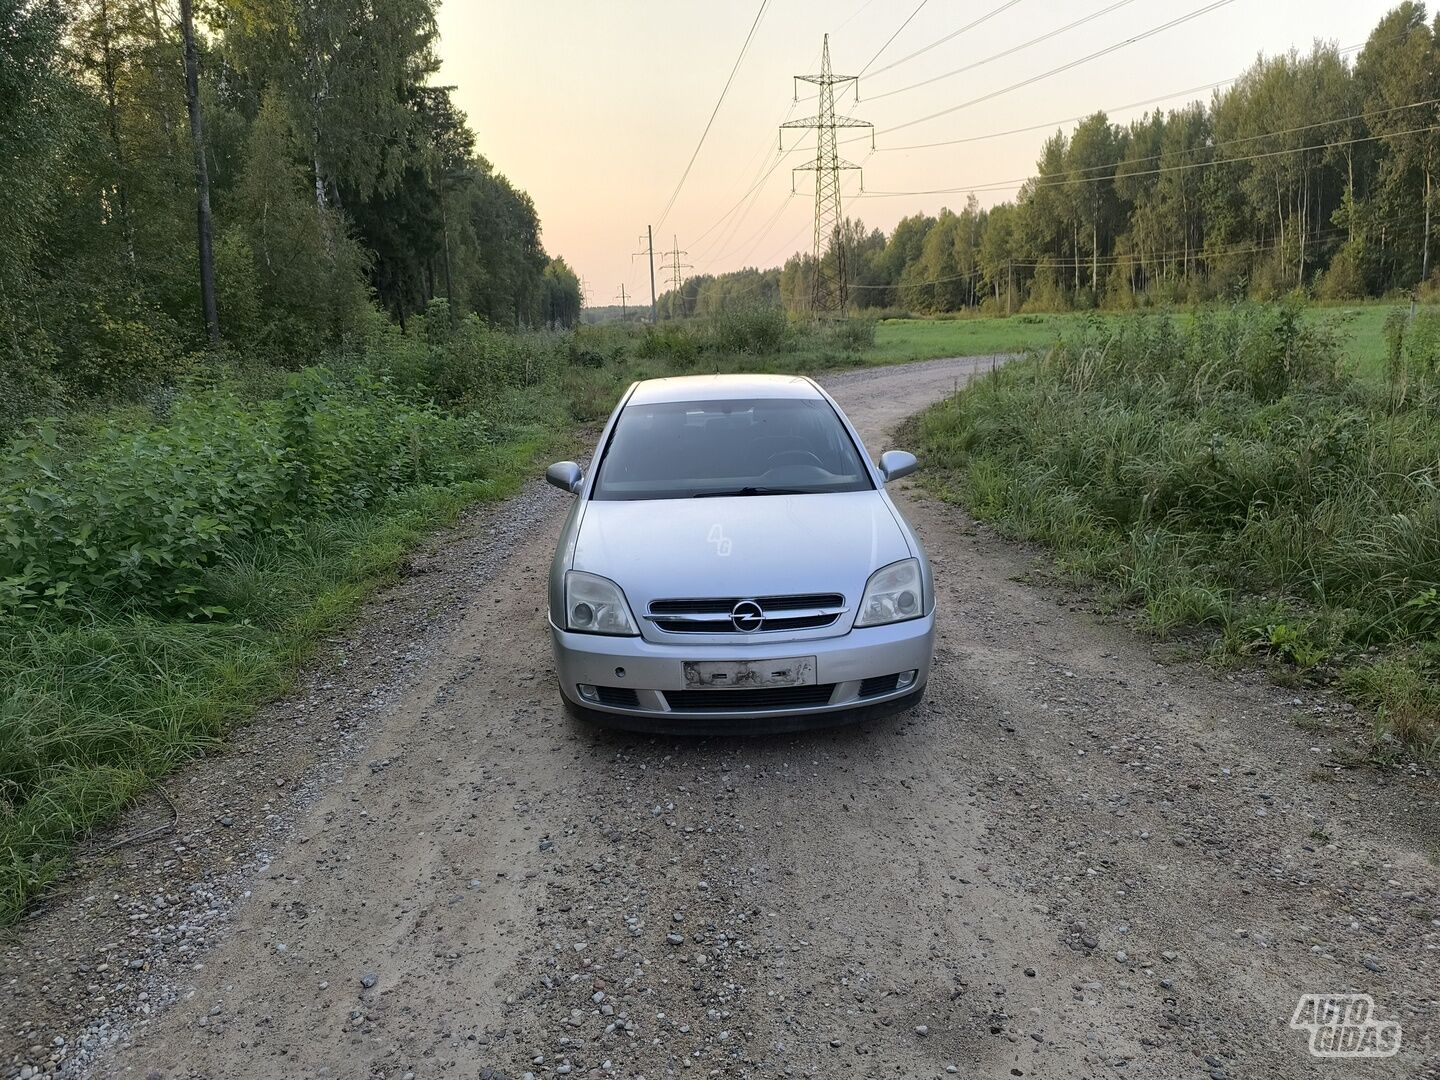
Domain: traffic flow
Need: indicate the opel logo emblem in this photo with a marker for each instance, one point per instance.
(747, 616)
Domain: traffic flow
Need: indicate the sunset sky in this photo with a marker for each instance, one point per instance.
(595, 109)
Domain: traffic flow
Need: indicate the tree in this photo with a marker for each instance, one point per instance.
(1090, 163)
(204, 226)
(1398, 67)
(345, 69)
(562, 294)
(302, 258)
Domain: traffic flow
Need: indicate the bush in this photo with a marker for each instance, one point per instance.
(753, 331)
(675, 342)
(852, 335)
(135, 518)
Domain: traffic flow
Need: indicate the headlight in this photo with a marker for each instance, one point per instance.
(893, 594)
(595, 605)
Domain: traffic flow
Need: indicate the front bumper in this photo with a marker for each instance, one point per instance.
(649, 669)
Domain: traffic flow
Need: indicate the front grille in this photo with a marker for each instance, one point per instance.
(879, 684)
(773, 697)
(618, 697)
(711, 615)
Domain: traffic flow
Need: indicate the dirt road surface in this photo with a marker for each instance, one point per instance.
(1075, 859)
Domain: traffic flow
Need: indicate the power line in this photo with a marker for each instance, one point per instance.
(1001, 55)
(1211, 146)
(780, 249)
(892, 37)
(1063, 120)
(751, 193)
(949, 37)
(1075, 119)
(852, 15)
(1214, 5)
(761, 179)
(713, 112)
(1069, 181)
(1130, 258)
(780, 157)
(1111, 261)
(753, 240)
(726, 235)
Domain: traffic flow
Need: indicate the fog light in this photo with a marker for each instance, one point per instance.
(906, 678)
(589, 693)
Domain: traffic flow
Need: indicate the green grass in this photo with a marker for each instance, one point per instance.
(1360, 327)
(904, 340)
(1227, 474)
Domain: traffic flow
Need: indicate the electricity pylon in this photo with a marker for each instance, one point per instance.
(829, 286)
(675, 266)
(624, 311)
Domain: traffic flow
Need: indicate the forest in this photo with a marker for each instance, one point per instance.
(338, 188)
(1312, 171)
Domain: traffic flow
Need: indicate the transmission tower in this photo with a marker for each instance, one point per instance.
(829, 285)
(624, 310)
(675, 266)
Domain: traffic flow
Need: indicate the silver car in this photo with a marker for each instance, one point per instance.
(732, 563)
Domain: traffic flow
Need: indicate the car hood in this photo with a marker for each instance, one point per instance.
(746, 546)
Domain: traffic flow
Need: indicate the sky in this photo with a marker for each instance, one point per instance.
(596, 108)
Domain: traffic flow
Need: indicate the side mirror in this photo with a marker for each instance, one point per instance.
(897, 463)
(567, 476)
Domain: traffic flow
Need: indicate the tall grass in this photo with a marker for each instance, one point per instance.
(1224, 472)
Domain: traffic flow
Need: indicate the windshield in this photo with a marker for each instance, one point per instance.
(698, 449)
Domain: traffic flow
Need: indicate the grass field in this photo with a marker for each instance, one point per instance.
(1361, 328)
(1229, 476)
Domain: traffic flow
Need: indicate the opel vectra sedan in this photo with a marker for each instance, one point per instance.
(732, 563)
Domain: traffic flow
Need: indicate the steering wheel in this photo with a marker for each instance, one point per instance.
(794, 457)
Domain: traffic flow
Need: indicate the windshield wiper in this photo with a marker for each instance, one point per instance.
(747, 491)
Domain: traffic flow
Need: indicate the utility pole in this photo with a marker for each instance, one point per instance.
(624, 312)
(829, 288)
(649, 249)
(675, 266)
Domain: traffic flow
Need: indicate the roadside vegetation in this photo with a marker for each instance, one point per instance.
(1225, 474)
(167, 561)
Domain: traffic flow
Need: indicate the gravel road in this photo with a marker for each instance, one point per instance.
(1077, 858)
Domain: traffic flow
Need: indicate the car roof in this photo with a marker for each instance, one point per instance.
(719, 387)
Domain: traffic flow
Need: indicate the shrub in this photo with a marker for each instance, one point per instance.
(675, 342)
(852, 335)
(135, 518)
(752, 330)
